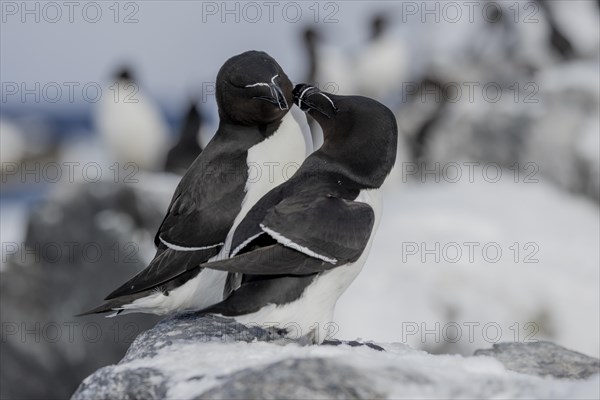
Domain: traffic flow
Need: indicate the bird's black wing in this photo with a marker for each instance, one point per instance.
(309, 235)
(202, 210)
(249, 228)
(331, 227)
(166, 265)
(206, 202)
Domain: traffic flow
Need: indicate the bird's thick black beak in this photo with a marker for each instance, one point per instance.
(277, 97)
(309, 98)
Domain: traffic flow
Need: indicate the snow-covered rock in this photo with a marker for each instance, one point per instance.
(191, 356)
(80, 243)
(543, 358)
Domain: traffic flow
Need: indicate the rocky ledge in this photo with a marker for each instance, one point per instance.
(192, 357)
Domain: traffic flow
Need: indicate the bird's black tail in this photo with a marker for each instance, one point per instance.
(116, 305)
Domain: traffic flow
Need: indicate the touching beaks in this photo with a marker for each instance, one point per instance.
(311, 98)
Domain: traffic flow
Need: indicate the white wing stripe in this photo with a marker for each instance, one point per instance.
(288, 243)
(181, 248)
(244, 244)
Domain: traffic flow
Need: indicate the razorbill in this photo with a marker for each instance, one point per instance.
(329, 68)
(131, 124)
(558, 40)
(419, 140)
(258, 145)
(303, 243)
(183, 154)
(12, 143)
(381, 67)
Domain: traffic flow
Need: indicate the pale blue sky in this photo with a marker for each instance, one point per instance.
(174, 46)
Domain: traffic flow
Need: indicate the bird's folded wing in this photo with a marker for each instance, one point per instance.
(204, 205)
(330, 228)
(194, 228)
(310, 237)
(196, 224)
(166, 265)
(249, 228)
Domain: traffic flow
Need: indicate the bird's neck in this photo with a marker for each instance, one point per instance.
(245, 136)
(350, 167)
(366, 160)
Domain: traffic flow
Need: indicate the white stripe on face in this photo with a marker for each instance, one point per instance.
(324, 95)
(263, 83)
(302, 95)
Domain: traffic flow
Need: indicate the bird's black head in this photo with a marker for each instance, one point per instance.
(310, 36)
(379, 25)
(124, 74)
(317, 103)
(252, 89)
(359, 133)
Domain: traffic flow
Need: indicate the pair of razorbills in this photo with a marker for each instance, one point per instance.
(267, 249)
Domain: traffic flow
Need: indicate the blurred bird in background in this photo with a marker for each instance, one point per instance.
(131, 124)
(181, 156)
(12, 143)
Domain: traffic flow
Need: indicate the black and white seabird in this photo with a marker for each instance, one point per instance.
(558, 40)
(381, 67)
(131, 124)
(329, 66)
(420, 139)
(12, 143)
(187, 149)
(258, 142)
(303, 243)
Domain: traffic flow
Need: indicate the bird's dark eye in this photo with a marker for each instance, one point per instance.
(238, 81)
(235, 84)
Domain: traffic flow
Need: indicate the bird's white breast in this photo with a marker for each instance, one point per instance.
(274, 160)
(312, 313)
(270, 163)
